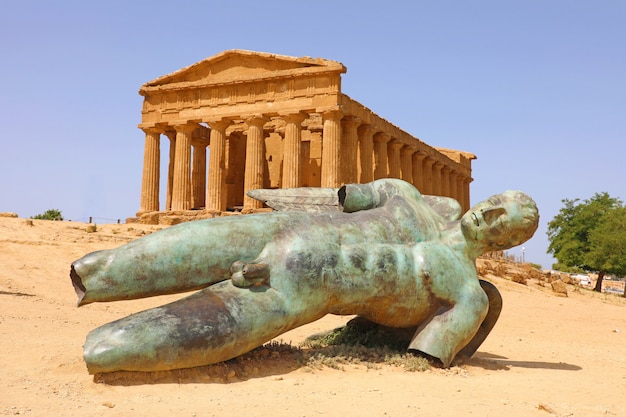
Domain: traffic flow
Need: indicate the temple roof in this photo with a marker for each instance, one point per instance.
(237, 66)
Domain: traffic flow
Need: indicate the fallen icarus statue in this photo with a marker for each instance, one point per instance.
(381, 251)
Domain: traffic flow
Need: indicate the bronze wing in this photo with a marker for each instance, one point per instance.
(308, 199)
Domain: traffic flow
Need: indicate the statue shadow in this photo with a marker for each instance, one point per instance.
(263, 362)
(368, 346)
(223, 373)
(495, 362)
(260, 363)
(356, 343)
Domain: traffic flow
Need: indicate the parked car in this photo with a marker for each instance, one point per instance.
(582, 279)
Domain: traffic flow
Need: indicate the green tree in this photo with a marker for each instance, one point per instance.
(570, 231)
(608, 243)
(51, 214)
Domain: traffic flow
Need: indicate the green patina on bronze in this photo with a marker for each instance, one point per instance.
(383, 252)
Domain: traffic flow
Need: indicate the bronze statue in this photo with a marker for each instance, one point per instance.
(379, 250)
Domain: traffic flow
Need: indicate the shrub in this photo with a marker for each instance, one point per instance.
(51, 214)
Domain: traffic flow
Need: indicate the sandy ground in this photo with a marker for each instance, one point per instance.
(548, 355)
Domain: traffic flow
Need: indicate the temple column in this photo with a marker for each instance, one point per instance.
(181, 188)
(216, 184)
(151, 169)
(393, 153)
(460, 189)
(453, 186)
(235, 169)
(427, 175)
(406, 163)
(255, 160)
(171, 135)
(381, 164)
(366, 152)
(436, 182)
(292, 155)
(418, 171)
(445, 181)
(331, 149)
(349, 126)
(460, 192)
(466, 193)
(198, 170)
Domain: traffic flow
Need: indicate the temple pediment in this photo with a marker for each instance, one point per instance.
(237, 66)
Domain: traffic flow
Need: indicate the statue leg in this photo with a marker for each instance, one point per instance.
(495, 306)
(207, 327)
(180, 258)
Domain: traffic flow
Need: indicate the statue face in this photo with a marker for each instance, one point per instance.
(502, 221)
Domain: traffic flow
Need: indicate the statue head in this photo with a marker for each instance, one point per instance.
(501, 222)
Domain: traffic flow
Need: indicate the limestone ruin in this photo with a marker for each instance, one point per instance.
(274, 121)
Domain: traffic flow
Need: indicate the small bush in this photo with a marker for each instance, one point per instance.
(51, 214)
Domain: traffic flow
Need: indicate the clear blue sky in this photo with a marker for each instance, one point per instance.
(535, 88)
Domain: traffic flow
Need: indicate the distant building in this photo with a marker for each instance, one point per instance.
(273, 121)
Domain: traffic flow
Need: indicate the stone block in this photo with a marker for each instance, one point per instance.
(559, 287)
(150, 218)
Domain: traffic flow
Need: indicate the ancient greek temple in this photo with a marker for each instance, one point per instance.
(273, 121)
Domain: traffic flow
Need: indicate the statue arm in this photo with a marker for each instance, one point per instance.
(357, 197)
(446, 207)
(452, 326)
(349, 198)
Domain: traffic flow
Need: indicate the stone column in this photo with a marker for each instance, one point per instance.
(445, 181)
(436, 182)
(366, 154)
(235, 168)
(453, 186)
(181, 189)
(151, 169)
(292, 154)
(255, 160)
(418, 171)
(381, 164)
(460, 192)
(198, 172)
(171, 135)
(216, 184)
(406, 163)
(393, 152)
(331, 150)
(427, 175)
(349, 126)
(466, 193)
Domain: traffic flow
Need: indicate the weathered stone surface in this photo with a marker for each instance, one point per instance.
(171, 220)
(150, 218)
(559, 287)
(273, 121)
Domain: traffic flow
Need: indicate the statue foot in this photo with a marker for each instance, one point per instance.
(77, 282)
(495, 307)
(248, 274)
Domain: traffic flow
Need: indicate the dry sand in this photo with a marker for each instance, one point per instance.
(548, 355)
